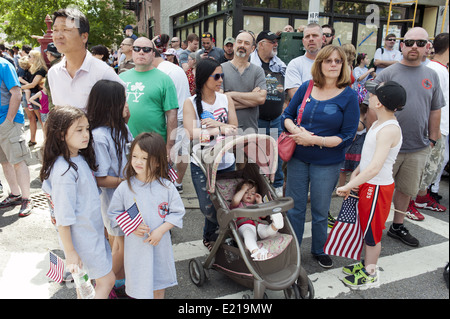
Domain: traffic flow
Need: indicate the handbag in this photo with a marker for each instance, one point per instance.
(286, 145)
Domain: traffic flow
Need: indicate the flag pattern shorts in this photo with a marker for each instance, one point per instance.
(374, 206)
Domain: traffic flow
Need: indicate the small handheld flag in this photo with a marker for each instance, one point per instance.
(130, 219)
(346, 236)
(56, 268)
(173, 175)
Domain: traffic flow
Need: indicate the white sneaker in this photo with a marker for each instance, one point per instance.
(279, 191)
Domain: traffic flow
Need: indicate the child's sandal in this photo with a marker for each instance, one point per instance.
(261, 254)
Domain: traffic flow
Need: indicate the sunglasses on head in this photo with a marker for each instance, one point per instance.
(206, 35)
(420, 43)
(217, 76)
(248, 31)
(145, 49)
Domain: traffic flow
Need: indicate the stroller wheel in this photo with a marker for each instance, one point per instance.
(309, 294)
(196, 272)
(293, 292)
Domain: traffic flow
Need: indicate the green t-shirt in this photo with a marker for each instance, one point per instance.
(149, 95)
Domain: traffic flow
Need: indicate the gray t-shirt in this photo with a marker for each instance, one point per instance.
(147, 267)
(252, 77)
(423, 94)
(76, 203)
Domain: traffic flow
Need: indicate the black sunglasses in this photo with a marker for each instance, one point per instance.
(420, 43)
(328, 35)
(145, 49)
(217, 76)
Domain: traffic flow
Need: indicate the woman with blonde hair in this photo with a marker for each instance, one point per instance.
(38, 70)
(328, 125)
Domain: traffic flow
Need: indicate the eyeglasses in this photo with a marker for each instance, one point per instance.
(145, 49)
(217, 76)
(420, 43)
(328, 35)
(330, 61)
(390, 39)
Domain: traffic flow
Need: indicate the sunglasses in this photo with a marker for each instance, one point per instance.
(390, 39)
(329, 61)
(206, 35)
(420, 43)
(248, 31)
(328, 35)
(217, 76)
(145, 49)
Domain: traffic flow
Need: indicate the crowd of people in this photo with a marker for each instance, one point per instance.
(129, 117)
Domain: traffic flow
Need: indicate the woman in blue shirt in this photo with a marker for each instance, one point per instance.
(328, 126)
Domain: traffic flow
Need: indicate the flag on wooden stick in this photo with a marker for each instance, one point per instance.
(56, 270)
(130, 219)
(346, 236)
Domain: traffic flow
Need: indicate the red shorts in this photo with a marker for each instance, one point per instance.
(374, 206)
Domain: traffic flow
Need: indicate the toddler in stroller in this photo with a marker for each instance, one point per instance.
(246, 194)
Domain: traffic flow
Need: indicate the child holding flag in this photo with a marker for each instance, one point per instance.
(145, 207)
(373, 178)
(67, 175)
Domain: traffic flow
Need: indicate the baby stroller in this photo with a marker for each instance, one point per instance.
(228, 254)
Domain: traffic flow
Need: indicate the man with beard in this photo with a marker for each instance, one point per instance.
(419, 121)
(299, 69)
(245, 83)
(265, 56)
(386, 56)
(210, 51)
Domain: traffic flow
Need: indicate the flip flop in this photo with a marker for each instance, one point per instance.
(207, 244)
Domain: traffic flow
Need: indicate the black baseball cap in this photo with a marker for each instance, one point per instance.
(269, 35)
(391, 94)
(52, 49)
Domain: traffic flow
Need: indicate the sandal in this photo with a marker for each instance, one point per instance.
(207, 244)
(261, 254)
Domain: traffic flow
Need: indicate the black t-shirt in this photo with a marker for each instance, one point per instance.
(273, 107)
(40, 72)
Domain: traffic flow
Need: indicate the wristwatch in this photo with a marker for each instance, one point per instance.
(432, 141)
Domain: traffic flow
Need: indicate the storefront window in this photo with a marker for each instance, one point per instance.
(344, 32)
(278, 24)
(212, 7)
(253, 23)
(367, 40)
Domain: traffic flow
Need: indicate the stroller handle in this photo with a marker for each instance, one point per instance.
(257, 210)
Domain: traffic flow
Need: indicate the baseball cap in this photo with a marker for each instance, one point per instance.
(391, 94)
(128, 27)
(229, 40)
(171, 51)
(269, 35)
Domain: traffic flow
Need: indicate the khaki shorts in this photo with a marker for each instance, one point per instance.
(407, 171)
(13, 147)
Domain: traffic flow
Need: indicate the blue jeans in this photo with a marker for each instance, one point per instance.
(322, 180)
(265, 128)
(206, 206)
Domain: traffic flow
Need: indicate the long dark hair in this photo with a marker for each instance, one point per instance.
(155, 146)
(204, 69)
(59, 120)
(105, 108)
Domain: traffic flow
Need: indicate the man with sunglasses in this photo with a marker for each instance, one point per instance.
(386, 56)
(269, 120)
(151, 95)
(329, 33)
(209, 50)
(419, 121)
(126, 47)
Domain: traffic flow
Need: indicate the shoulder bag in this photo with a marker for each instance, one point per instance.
(286, 145)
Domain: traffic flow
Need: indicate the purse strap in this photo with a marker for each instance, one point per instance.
(305, 98)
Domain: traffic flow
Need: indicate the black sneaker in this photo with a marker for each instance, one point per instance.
(11, 200)
(180, 188)
(403, 234)
(324, 261)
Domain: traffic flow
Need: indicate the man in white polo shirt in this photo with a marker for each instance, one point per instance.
(71, 80)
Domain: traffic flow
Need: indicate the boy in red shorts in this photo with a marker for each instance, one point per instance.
(373, 179)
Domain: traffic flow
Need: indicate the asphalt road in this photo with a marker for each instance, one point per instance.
(405, 272)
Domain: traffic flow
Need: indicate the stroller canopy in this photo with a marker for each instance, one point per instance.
(260, 149)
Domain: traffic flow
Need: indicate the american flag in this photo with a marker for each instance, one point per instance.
(221, 115)
(173, 175)
(130, 219)
(346, 236)
(56, 268)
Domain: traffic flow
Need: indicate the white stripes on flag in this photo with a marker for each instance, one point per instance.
(130, 220)
(56, 270)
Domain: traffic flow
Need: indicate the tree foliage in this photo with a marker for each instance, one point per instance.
(19, 19)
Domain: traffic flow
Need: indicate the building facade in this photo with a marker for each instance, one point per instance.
(362, 23)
